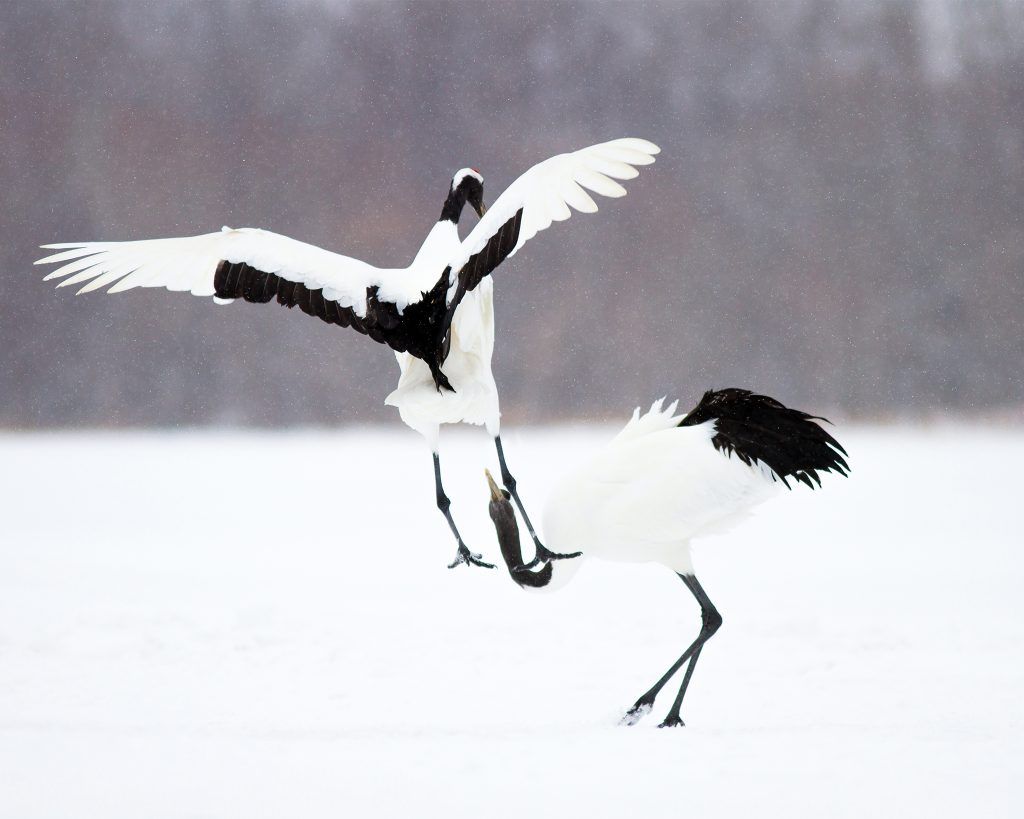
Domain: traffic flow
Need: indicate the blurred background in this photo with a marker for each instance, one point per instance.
(836, 217)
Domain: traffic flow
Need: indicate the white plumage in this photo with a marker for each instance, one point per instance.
(646, 495)
(437, 313)
(188, 264)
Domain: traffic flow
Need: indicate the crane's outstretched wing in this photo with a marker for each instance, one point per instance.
(250, 264)
(539, 197)
(259, 266)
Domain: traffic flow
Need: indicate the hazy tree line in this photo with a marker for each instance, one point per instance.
(837, 217)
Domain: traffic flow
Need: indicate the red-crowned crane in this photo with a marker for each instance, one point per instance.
(436, 314)
(664, 480)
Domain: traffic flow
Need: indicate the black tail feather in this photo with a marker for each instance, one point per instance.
(758, 428)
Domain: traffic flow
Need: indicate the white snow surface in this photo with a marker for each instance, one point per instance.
(262, 625)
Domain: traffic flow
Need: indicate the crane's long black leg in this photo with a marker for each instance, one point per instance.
(543, 554)
(444, 504)
(711, 620)
(672, 719)
(643, 705)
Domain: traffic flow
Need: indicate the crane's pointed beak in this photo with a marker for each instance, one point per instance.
(496, 492)
(480, 208)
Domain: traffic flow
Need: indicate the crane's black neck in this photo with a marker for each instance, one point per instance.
(470, 189)
(453, 205)
(504, 518)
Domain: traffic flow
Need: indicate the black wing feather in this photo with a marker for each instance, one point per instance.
(759, 428)
(484, 262)
(422, 329)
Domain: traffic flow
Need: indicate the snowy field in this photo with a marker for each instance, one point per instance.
(262, 625)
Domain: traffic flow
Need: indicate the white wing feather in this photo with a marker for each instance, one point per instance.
(657, 418)
(546, 191)
(654, 486)
(675, 485)
(188, 264)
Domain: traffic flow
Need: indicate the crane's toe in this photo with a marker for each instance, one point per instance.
(672, 722)
(545, 555)
(469, 558)
(637, 712)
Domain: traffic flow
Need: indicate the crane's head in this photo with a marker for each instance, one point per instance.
(503, 515)
(467, 186)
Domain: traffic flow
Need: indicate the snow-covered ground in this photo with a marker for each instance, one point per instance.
(262, 625)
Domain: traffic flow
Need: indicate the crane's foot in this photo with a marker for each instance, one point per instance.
(469, 558)
(545, 555)
(637, 712)
(672, 721)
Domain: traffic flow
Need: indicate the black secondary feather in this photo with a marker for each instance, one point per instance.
(758, 428)
(422, 329)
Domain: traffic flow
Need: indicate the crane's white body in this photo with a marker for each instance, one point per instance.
(475, 400)
(468, 367)
(648, 493)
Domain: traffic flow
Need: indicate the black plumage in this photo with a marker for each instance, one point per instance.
(503, 515)
(422, 329)
(758, 428)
